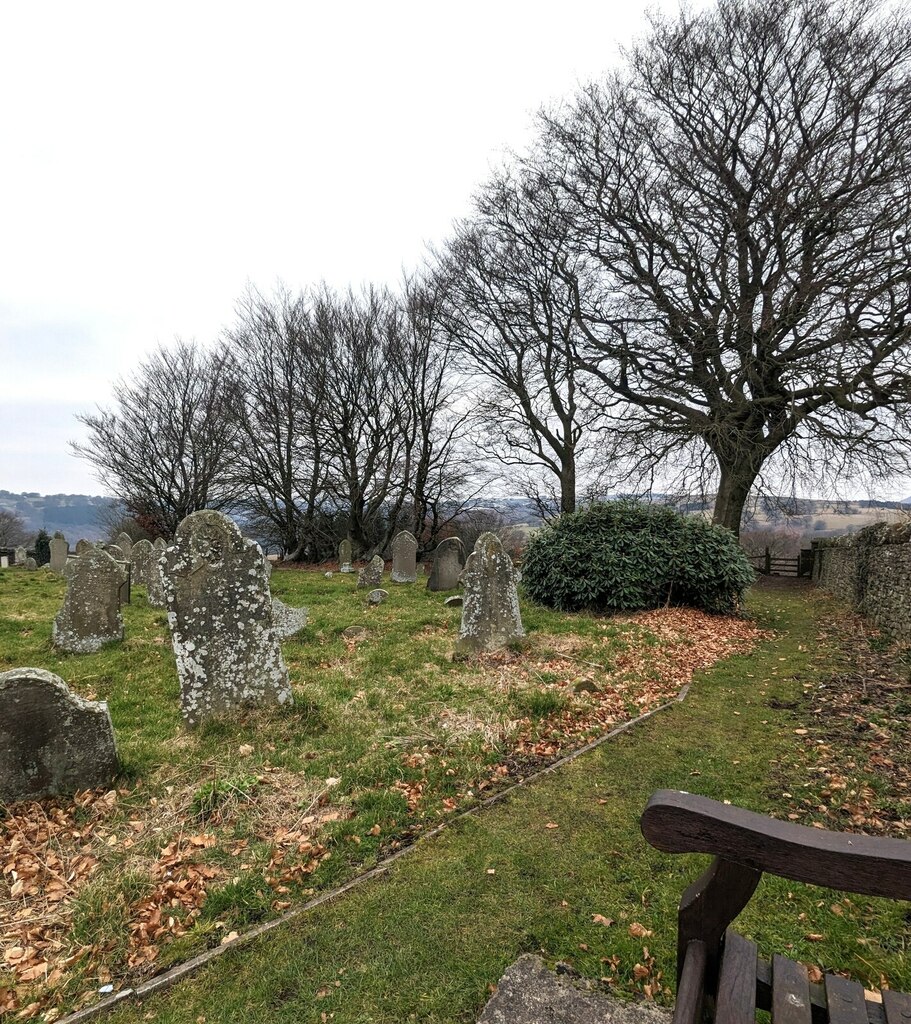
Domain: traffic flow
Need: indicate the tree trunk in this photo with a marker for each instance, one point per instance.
(568, 485)
(733, 491)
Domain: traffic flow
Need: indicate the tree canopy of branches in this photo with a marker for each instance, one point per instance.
(13, 531)
(739, 196)
(510, 312)
(164, 447)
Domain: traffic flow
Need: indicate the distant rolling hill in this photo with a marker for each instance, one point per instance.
(75, 515)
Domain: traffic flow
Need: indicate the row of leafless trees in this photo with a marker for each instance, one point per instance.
(699, 276)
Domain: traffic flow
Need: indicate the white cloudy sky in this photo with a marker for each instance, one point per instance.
(158, 157)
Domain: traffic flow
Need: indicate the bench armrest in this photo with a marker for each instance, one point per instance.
(677, 822)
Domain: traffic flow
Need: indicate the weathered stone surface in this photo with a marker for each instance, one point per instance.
(456, 601)
(490, 614)
(287, 620)
(160, 544)
(528, 993)
(125, 543)
(31, 564)
(268, 567)
(83, 545)
(448, 563)
(220, 614)
(372, 573)
(51, 741)
(141, 562)
(155, 586)
(21, 554)
(404, 558)
(115, 551)
(344, 556)
(377, 596)
(90, 616)
(354, 633)
(329, 575)
(59, 550)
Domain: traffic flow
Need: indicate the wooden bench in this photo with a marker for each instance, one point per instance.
(718, 971)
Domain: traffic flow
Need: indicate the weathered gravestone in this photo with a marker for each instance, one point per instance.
(155, 586)
(90, 616)
(115, 551)
(287, 620)
(220, 614)
(31, 564)
(125, 543)
(59, 550)
(490, 613)
(372, 573)
(141, 557)
(404, 558)
(83, 545)
(377, 596)
(160, 544)
(268, 567)
(51, 741)
(448, 563)
(21, 555)
(344, 556)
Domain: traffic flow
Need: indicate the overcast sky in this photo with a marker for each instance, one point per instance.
(156, 158)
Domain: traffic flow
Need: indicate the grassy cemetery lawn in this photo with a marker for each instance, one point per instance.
(210, 831)
(810, 726)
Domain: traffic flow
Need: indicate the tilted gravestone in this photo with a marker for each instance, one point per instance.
(21, 554)
(372, 574)
(220, 614)
(448, 563)
(90, 616)
(404, 558)
(125, 543)
(287, 620)
(490, 613)
(344, 556)
(141, 562)
(83, 545)
(377, 596)
(59, 550)
(51, 740)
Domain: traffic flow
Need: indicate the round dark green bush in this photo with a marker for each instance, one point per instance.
(627, 555)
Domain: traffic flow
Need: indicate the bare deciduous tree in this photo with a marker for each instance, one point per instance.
(741, 196)
(13, 531)
(163, 449)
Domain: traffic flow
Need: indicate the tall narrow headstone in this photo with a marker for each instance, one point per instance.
(59, 550)
(448, 563)
(404, 558)
(90, 616)
(125, 543)
(490, 614)
(372, 574)
(83, 545)
(51, 740)
(141, 562)
(21, 555)
(220, 614)
(344, 556)
(155, 586)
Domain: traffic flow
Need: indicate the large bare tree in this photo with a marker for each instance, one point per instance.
(164, 447)
(740, 193)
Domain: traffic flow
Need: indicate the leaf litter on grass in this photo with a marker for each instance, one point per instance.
(134, 868)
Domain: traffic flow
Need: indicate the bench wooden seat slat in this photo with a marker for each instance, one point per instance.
(847, 1004)
(791, 1002)
(736, 999)
(897, 1006)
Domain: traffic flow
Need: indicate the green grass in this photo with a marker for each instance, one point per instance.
(427, 941)
(386, 738)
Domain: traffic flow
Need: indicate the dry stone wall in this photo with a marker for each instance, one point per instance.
(872, 571)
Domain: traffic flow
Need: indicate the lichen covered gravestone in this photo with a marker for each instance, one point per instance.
(220, 614)
(51, 741)
(155, 586)
(21, 555)
(83, 545)
(344, 556)
(404, 558)
(287, 620)
(377, 596)
(141, 562)
(160, 544)
(372, 574)
(448, 563)
(125, 543)
(59, 550)
(490, 613)
(31, 564)
(90, 616)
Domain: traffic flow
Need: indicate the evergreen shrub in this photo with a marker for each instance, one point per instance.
(628, 555)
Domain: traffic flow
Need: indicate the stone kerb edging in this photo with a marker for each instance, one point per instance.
(164, 981)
